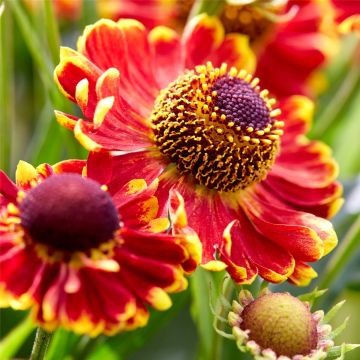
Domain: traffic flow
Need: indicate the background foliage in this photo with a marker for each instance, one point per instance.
(29, 43)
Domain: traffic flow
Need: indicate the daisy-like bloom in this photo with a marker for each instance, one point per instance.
(256, 189)
(88, 258)
(297, 335)
(291, 38)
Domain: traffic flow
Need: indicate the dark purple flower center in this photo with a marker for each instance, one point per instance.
(69, 213)
(238, 101)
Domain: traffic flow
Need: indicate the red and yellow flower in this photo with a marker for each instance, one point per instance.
(292, 38)
(256, 190)
(89, 256)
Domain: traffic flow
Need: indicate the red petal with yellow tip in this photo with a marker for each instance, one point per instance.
(69, 166)
(273, 263)
(70, 72)
(202, 35)
(318, 201)
(201, 210)
(297, 48)
(83, 314)
(160, 247)
(311, 168)
(234, 51)
(304, 235)
(166, 49)
(148, 271)
(297, 113)
(146, 165)
(302, 275)
(118, 40)
(111, 135)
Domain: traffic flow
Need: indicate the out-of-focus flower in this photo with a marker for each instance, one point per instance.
(347, 15)
(64, 9)
(85, 257)
(292, 38)
(244, 166)
(150, 12)
(279, 326)
(296, 48)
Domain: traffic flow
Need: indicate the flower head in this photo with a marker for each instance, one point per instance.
(257, 191)
(67, 236)
(292, 39)
(279, 326)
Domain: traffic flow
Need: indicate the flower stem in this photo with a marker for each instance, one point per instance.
(6, 86)
(339, 100)
(227, 292)
(342, 255)
(41, 343)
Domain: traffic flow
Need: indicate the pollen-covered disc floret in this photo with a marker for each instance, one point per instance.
(218, 127)
(69, 213)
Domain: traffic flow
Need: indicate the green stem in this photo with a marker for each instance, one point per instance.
(339, 100)
(217, 346)
(11, 343)
(32, 42)
(341, 257)
(52, 31)
(41, 343)
(6, 86)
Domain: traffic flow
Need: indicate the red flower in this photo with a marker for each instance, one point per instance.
(211, 135)
(87, 258)
(297, 48)
(289, 50)
(149, 12)
(347, 15)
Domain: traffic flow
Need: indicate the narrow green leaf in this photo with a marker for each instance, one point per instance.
(32, 42)
(6, 86)
(333, 311)
(52, 31)
(339, 329)
(341, 256)
(200, 310)
(14, 340)
(62, 344)
(341, 350)
(312, 296)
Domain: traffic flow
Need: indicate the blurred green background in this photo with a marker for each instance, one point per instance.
(29, 43)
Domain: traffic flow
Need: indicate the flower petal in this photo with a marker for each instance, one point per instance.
(146, 164)
(303, 274)
(298, 48)
(71, 70)
(322, 201)
(274, 263)
(202, 35)
(166, 50)
(110, 44)
(8, 189)
(304, 235)
(234, 51)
